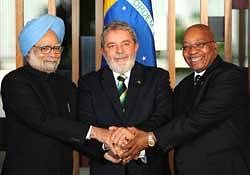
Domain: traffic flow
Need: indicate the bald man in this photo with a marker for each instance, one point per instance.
(210, 132)
(40, 106)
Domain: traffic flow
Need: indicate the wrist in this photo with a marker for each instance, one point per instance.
(96, 134)
(151, 139)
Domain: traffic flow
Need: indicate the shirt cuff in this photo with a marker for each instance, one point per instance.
(105, 147)
(143, 156)
(88, 134)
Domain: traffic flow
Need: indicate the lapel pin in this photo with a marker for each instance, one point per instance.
(138, 82)
(68, 105)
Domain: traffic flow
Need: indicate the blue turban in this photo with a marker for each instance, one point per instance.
(35, 29)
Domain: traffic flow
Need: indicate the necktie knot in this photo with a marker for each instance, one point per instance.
(197, 79)
(121, 78)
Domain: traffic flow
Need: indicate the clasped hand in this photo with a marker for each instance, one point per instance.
(125, 144)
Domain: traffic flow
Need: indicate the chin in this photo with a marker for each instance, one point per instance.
(121, 66)
(50, 67)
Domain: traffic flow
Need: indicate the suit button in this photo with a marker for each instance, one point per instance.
(179, 160)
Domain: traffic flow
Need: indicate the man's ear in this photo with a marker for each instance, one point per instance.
(27, 57)
(102, 52)
(136, 47)
(215, 45)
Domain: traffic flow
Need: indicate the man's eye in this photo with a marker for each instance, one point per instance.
(45, 48)
(57, 48)
(111, 46)
(186, 47)
(200, 45)
(126, 44)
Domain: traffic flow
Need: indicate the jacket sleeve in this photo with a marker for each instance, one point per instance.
(86, 114)
(162, 106)
(219, 101)
(22, 103)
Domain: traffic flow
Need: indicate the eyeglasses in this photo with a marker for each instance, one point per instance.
(48, 49)
(198, 45)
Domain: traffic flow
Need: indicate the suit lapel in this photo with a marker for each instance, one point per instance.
(205, 79)
(184, 95)
(110, 89)
(135, 82)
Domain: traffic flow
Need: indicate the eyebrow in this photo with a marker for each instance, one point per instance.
(124, 41)
(198, 41)
(49, 44)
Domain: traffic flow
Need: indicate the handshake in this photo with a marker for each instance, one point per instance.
(122, 144)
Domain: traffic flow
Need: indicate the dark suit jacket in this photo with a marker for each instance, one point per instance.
(148, 106)
(40, 117)
(210, 131)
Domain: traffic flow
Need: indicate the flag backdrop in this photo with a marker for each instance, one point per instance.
(138, 14)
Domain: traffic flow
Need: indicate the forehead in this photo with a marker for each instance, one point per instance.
(197, 34)
(117, 36)
(49, 38)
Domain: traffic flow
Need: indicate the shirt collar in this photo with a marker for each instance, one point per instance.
(199, 73)
(127, 74)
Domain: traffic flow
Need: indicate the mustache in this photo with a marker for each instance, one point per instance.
(121, 56)
(52, 59)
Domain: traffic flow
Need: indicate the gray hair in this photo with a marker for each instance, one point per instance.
(117, 25)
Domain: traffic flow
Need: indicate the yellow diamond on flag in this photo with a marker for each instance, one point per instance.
(107, 5)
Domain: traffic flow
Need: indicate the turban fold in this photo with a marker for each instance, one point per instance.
(36, 28)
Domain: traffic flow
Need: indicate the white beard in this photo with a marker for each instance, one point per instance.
(121, 69)
(43, 65)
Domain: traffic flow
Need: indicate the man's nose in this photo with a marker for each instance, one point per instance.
(193, 50)
(119, 49)
(53, 53)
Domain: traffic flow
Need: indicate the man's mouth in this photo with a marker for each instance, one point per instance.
(195, 59)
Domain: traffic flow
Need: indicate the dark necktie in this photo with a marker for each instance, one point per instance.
(122, 89)
(196, 80)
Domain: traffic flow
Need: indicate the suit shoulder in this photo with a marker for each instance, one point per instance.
(226, 69)
(89, 77)
(66, 81)
(155, 70)
(14, 74)
(184, 81)
(230, 67)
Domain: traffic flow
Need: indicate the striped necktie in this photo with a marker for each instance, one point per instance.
(122, 89)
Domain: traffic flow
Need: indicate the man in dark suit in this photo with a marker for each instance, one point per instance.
(145, 102)
(40, 106)
(210, 132)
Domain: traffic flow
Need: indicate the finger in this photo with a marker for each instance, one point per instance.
(115, 149)
(111, 157)
(127, 134)
(128, 158)
(129, 144)
(113, 128)
(133, 148)
(125, 162)
(120, 135)
(116, 135)
(119, 151)
(133, 130)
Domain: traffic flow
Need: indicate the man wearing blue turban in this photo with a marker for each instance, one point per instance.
(40, 106)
